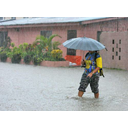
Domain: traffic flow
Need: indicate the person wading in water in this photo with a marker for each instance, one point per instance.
(93, 64)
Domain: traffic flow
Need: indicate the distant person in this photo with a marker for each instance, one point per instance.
(93, 64)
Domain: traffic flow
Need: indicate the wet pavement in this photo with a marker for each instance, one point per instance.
(37, 88)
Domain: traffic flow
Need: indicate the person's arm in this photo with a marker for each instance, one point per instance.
(94, 71)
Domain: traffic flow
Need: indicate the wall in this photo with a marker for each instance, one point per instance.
(114, 25)
(120, 60)
(29, 34)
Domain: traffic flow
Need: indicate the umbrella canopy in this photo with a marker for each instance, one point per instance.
(83, 43)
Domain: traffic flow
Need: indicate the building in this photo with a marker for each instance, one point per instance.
(111, 31)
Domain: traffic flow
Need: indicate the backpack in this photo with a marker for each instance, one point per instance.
(101, 70)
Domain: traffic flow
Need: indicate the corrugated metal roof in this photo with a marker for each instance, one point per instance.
(43, 20)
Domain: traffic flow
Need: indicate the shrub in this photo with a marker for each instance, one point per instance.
(16, 58)
(61, 59)
(27, 59)
(37, 59)
(3, 53)
(3, 57)
(15, 55)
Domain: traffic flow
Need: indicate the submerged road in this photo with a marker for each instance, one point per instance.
(37, 88)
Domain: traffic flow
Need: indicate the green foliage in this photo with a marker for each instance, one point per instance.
(42, 49)
(56, 44)
(5, 49)
(37, 59)
(16, 58)
(23, 46)
(3, 57)
(22, 49)
(12, 44)
(44, 42)
(3, 53)
(27, 59)
(15, 54)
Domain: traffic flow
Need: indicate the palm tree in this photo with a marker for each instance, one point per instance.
(46, 42)
(55, 45)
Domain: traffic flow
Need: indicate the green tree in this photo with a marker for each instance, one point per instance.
(46, 43)
(55, 45)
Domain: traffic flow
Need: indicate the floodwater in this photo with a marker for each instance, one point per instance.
(37, 88)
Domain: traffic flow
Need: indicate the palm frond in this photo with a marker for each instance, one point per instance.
(52, 36)
(56, 44)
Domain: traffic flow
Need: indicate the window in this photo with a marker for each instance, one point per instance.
(112, 57)
(119, 57)
(46, 34)
(116, 53)
(119, 49)
(113, 41)
(3, 37)
(112, 49)
(71, 34)
(119, 41)
(116, 45)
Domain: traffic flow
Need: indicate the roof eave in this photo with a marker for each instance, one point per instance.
(101, 20)
(40, 25)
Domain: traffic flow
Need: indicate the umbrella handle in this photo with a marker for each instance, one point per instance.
(106, 49)
(83, 55)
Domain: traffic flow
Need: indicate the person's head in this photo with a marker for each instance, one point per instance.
(92, 51)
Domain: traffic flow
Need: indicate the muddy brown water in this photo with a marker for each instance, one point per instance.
(37, 88)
